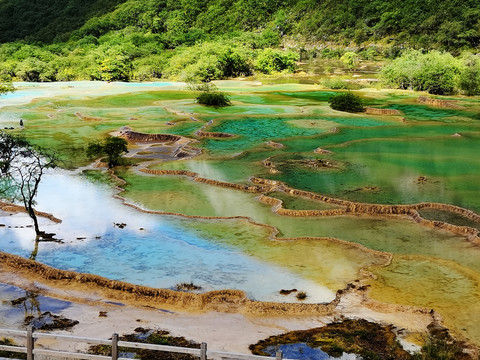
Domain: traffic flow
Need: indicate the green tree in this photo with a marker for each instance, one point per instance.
(435, 72)
(346, 102)
(233, 63)
(6, 88)
(208, 94)
(111, 147)
(35, 70)
(470, 75)
(271, 60)
(350, 60)
(115, 68)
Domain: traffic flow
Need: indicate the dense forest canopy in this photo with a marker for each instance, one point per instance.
(202, 40)
(425, 23)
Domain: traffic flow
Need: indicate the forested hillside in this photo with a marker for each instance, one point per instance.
(424, 23)
(48, 20)
(201, 40)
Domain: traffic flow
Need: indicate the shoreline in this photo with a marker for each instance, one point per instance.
(78, 288)
(209, 323)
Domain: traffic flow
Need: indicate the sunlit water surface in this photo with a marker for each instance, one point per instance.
(150, 250)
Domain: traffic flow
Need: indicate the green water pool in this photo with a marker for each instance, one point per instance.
(426, 154)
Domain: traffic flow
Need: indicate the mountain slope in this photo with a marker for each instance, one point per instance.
(48, 20)
(443, 24)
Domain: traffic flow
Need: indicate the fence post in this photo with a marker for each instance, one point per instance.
(203, 351)
(30, 343)
(115, 346)
(279, 355)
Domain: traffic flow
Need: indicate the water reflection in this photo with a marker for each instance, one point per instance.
(16, 305)
(150, 250)
(302, 351)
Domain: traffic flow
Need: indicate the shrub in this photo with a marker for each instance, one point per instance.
(469, 81)
(350, 60)
(340, 84)
(443, 348)
(209, 95)
(216, 99)
(6, 88)
(111, 147)
(270, 60)
(115, 68)
(434, 72)
(209, 61)
(346, 102)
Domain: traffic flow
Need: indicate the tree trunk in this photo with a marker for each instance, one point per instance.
(33, 216)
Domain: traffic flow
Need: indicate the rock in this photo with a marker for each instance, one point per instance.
(287, 292)
(49, 321)
(322, 151)
(274, 145)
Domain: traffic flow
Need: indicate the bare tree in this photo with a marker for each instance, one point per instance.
(22, 166)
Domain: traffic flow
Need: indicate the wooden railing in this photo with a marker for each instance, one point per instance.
(30, 338)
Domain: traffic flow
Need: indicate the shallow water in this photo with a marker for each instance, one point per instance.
(151, 250)
(12, 315)
(302, 351)
(377, 159)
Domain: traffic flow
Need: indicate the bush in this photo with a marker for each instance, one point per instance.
(6, 88)
(209, 95)
(340, 84)
(350, 60)
(111, 147)
(441, 348)
(216, 99)
(115, 68)
(209, 61)
(469, 81)
(270, 60)
(434, 72)
(346, 102)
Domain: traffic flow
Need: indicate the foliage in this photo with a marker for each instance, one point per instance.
(350, 60)
(11, 147)
(346, 102)
(6, 88)
(190, 21)
(116, 68)
(209, 95)
(469, 81)
(111, 147)
(369, 340)
(159, 337)
(209, 61)
(441, 348)
(215, 99)
(271, 60)
(340, 84)
(216, 39)
(434, 72)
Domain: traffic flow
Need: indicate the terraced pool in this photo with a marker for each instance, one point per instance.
(224, 237)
